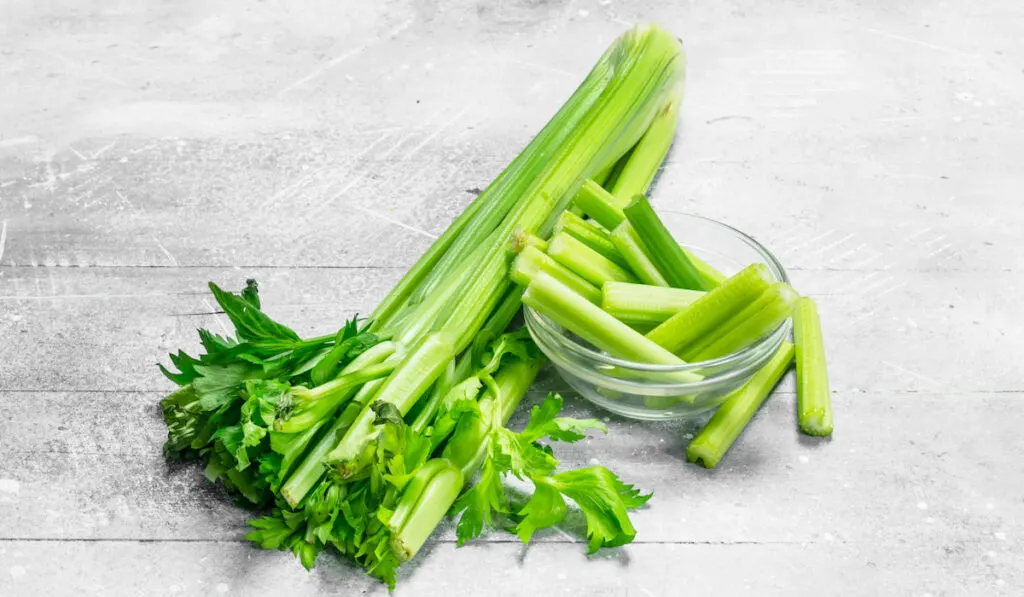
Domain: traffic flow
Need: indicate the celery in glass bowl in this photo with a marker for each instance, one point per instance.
(659, 392)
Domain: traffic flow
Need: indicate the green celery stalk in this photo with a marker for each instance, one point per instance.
(437, 393)
(648, 155)
(599, 204)
(556, 301)
(660, 247)
(321, 401)
(712, 277)
(311, 469)
(509, 189)
(586, 262)
(814, 401)
(713, 309)
(412, 377)
(531, 261)
(640, 304)
(418, 511)
(715, 439)
(628, 245)
(590, 235)
(755, 321)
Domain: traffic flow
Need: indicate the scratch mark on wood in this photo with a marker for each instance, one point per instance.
(170, 258)
(919, 233)
(412, 132)
(939, 250)
(911, 373)
(77, 153)
(818, 238)
(103, 150)
(848, 253)
(437, 132)
(938, 238)
(125, 199)
(400, 223)
(3, 239)
(729, 117)
(319, 72)
(918, 42)
(220, 323)
(552, 69)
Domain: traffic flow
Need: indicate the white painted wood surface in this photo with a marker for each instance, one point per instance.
(146, 149)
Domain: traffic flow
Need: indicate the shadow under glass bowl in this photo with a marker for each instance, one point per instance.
(657, 392)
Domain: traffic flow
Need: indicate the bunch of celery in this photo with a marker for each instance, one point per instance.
(363, 440)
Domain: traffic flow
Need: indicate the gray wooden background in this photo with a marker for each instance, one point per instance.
(148, 147)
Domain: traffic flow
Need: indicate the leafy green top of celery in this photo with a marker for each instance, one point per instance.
(603, 498)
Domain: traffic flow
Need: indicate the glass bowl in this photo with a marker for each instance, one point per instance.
(655, 392)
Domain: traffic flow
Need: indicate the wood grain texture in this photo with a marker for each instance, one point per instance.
(146, 149)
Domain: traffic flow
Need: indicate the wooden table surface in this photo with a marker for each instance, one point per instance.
(147, 148)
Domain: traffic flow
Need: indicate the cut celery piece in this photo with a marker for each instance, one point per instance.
(814, 400)
(704, 315)
(711, 444)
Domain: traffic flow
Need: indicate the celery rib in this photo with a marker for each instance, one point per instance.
(641, 304)
(596, 238)
(715, 439)
(571, 311)
(531, 261)
(755, 321)
(814, 400)
(588, 263)
(704, 315)
(628, 244)
(660, 247)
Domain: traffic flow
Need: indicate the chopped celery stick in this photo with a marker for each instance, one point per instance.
(531, 261)
(599, 205)
(649, 153)
(759, 319)
(712, 277)
(566, 308)
(642, 304)
(659, 245)
(814, 402)
(711, 310)
(711, 444)
(586, 262)
(590, 235)
(628, 245)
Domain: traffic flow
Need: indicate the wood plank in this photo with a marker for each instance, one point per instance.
(127, 320)
(801, 569)
(895, 471)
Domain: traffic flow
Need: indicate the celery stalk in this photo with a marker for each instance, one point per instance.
(590, 235)
(712, 277)
(711, 310)
(530, 262)
(739, 408)
(423, 365)
(639, 304)
(643, 164)
(599, 204)
(571, 311)
(586, 262)
(814, 401)
(311, 469)
(755, 321)
(431, 504)
(628, 244)
(660, 247)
